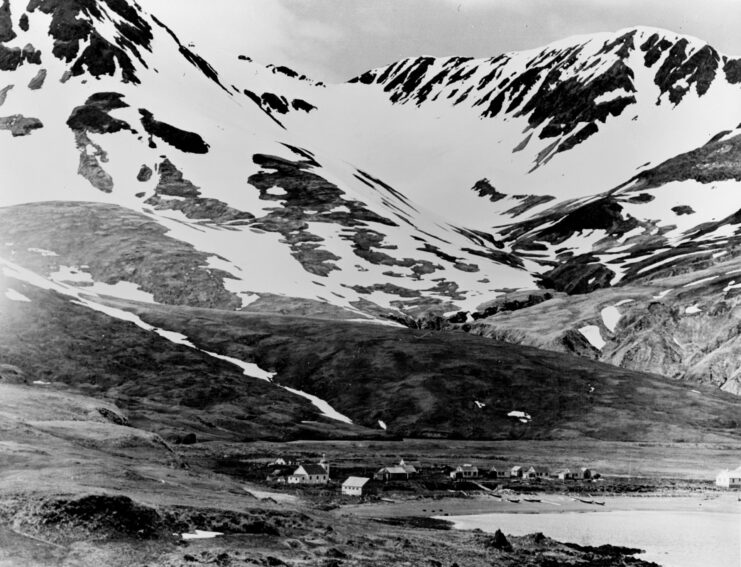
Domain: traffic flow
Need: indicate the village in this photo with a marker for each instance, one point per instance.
(409, 478)
(404, 479)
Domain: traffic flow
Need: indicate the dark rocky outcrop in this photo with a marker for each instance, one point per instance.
(187, 197)
(93, 116)
(484, 188)
(145, 173)
(6, 23)
(183, 140)
(307, 197)
(580, 274)
(72, 25)
(172, 184)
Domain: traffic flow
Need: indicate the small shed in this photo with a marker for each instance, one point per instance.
(585, 473)
(516, 471)
(464, 472)
(353, 486)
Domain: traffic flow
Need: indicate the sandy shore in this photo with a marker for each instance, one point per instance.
(487, 504)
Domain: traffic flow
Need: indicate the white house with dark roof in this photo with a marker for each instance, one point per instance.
(465, 471)
(354, 485)
(729, 479)
(536, 472)
(310, 473)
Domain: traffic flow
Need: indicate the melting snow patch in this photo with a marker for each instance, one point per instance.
(479, 404)
(276, 191)
(247, 298)
(382, 425)
(68, 274)
(200, 534)
(610, 317)
(45, 253)
(662, 294)
(721, 253)
(623, 302)
(41, 383)
(592, 334)
(324, 407)
(731, 285)
(692, 309)
(13, 295)
(250, 369)
(703, 280)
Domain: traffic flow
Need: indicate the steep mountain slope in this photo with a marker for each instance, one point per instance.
(138, 178)
(568, 120)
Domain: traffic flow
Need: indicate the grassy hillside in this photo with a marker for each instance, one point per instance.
(51, 342)
(428, 383)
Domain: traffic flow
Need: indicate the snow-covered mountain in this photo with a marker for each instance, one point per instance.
(425, 191)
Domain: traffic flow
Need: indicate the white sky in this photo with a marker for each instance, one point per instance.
(334, 40)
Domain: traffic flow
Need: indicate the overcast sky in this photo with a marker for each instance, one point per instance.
(334, 40)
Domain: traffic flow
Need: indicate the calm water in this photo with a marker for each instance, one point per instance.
(671, 539)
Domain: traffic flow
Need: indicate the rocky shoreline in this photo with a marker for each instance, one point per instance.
(115, 530)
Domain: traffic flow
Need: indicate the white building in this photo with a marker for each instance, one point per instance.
(310, 474)
(353, 486)
(465, 471)
(729, 479)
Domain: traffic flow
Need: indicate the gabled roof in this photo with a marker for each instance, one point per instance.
(355, 482)
(467, 467)
(311, 469)
(396, 469)
(535, 469)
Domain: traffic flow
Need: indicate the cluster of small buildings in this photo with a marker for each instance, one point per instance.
(318, 474)
(463, 472)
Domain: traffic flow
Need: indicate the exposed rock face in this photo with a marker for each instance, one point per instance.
(181, 139)
(38, 81)
(310, 198)
(20, 125)
(6, 24)
(187, 197)
(72, 25)
(145, 173)
(116, 244)
(89, 166)
(93, 116)
(13, 57)
(485, 189)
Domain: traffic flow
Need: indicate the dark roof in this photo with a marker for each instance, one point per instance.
(313, 469)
